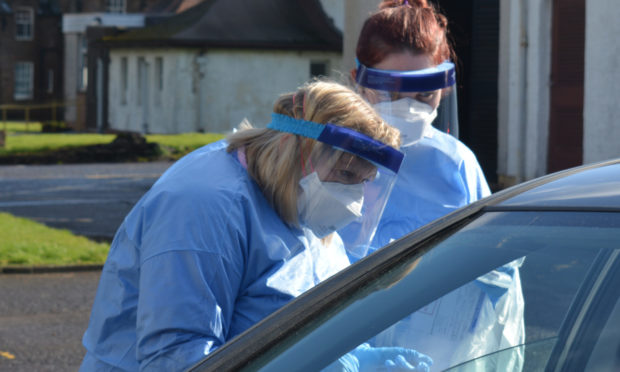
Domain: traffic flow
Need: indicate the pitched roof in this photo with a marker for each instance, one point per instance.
(263, 24)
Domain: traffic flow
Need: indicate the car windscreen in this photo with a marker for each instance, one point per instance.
(550, 251)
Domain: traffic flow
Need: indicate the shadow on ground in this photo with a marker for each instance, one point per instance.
(126, 147)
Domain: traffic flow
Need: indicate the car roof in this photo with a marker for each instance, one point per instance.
(592, 187)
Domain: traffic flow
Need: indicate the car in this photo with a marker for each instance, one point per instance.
(561, 234)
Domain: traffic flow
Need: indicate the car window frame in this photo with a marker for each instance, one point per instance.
(587, 315)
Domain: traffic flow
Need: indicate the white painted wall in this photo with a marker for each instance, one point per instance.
(335, 10)
(523, 89)
(356, 12)
(601, 132)
(74, 27)
(211, 92)
(80, 21)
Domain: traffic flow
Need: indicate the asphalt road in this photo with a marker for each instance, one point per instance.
(43, 316)
(42, 319)
(88, 199)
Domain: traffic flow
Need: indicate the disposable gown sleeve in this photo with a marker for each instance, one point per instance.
(184, 308)
(474, 182)
(191, 270)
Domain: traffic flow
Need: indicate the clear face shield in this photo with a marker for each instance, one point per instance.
(347, 178)
(412, 101)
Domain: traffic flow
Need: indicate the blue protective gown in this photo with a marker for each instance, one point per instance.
(198, 260)
(438, 175)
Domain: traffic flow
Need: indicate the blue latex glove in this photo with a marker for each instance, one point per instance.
(365, 358)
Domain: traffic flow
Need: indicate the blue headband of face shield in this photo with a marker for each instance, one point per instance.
(343, 139)
(424, 80)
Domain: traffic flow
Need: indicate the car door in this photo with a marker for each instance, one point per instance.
(555, 253)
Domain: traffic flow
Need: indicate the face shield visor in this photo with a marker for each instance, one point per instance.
(412, 101)
(346, 179)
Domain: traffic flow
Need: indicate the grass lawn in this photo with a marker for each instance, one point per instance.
(19, 126)
(22, 138)
(28, 243)
(39, 142)
(183, 143)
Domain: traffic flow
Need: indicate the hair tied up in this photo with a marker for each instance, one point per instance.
(416, 3)
(407, 3)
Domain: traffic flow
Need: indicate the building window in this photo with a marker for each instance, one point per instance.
(124, 80)
(159, 76)
(24, 23)
(50, 81)
(83, 64)
(24, 77)
(115, 6)
(318, 69)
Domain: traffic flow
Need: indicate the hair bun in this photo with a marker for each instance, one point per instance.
(396, 3)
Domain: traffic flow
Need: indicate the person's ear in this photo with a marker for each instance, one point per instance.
(353, 73)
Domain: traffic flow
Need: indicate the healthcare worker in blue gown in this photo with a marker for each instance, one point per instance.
(405, 70)
(236, 229)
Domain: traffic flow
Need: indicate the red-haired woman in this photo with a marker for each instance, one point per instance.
(405, 69)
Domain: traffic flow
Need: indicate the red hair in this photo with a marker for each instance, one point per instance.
(404, 25)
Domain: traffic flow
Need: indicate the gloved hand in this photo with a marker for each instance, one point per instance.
(365, 358)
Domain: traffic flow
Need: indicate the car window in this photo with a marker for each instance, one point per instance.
(519, 303)
(606, 353)
(495, 295)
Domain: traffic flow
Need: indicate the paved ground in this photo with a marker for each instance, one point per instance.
(90, 200)
(43, 316)
(42, 319)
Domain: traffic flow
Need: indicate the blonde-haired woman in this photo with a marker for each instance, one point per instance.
(236, 229)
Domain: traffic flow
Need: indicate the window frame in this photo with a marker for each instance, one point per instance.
(27, 69)
(25, 23)
(116, 6)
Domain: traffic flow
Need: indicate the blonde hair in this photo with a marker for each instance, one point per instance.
(273, 157)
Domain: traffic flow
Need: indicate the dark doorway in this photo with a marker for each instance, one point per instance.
(567, 70)
(474, 29)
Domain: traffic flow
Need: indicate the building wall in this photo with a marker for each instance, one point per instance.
(523, 90)
(524, 79)
(356, 12)
(74, 29)
(77, 16)
(335, 10)
(210, 91)
(601, 130)
(70, 75)
(44, 51)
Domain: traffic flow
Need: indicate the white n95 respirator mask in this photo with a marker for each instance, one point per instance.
(411, 117)
(325, 207)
